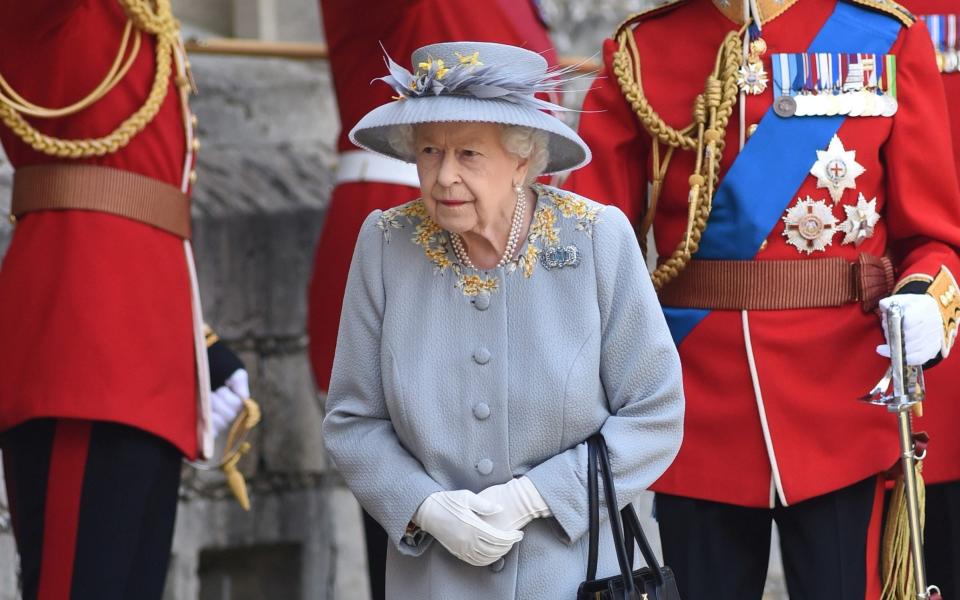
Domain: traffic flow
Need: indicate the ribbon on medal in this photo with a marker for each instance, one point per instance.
(943, 34)
(765, 177)
(859, 84)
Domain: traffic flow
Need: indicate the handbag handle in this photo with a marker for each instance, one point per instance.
(597, 454)
(634, 532)
(625, 524)
(593, 510)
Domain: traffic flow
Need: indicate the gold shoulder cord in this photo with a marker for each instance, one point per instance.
(705, 136)
(157, 21)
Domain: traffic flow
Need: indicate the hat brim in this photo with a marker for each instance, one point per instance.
(567, 150)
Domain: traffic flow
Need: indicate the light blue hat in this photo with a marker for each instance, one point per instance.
(473, 82)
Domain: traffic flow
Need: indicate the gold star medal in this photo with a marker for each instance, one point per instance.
(861, 219)
(809, 225)
(836, 169)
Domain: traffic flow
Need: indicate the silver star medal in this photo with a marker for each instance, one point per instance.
(809, 225)
(861, 219)
(752, 78)
(836, 169)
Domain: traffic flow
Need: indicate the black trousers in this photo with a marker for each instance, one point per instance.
(93, 507)
(942, 538)
(721, 551)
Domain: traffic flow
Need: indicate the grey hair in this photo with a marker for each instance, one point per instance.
(525, 142)
(528, 143)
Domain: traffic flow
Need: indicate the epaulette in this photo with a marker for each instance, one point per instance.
(657, 8)
(891, 8)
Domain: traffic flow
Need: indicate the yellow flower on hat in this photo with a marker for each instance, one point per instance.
(472, 60)
(441, 70)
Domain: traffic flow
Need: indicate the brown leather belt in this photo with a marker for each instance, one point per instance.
(102, 189)
(780, 284)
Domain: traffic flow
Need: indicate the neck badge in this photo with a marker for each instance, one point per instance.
(809, 225)
(861, 219)
(753, 77)
(836, 169)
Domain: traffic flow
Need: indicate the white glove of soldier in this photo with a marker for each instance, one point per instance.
(521, 504)
(227, 400)
(454, 519)
(922, 327)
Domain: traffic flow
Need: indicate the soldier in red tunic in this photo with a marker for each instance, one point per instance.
(102, 352)
(366, 181)
(779, 203)
(941, 467)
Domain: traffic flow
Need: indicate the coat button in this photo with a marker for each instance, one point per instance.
(482, 356)
(497, 566)
(482, 301)
(485, 466)
(481, 411)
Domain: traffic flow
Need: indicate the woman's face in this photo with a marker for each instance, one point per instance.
(466, 175)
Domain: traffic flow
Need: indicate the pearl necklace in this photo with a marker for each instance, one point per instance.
(518, 212)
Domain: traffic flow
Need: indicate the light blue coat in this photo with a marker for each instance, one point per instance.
(447, 378)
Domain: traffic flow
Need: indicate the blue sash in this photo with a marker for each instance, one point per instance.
(777, 158)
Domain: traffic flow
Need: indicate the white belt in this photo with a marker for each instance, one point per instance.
(363, 165)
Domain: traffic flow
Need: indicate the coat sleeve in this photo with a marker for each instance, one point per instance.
(640, 372)
(617, 174)
(387, 480)
(923, 199)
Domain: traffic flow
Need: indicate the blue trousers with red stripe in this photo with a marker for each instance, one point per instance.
(93, 507)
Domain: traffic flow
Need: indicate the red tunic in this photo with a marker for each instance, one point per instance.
(95, 311)
(942, 408)
(801, 433)
(354, 39)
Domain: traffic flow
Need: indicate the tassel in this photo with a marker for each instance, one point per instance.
(245, 421)
(235, 480)
(896, 562)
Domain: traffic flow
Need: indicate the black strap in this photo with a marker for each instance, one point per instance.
(625, 524)
(597, 456)
(631, 524)
(593, 506)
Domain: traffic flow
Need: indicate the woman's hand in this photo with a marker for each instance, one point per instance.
(454, 519)
(521, 504)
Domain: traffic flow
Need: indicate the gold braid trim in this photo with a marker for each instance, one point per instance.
(159, 22)
(711, 115)
(891, 8)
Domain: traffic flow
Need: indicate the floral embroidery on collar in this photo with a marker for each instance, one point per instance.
(544, 233)
(574, 206)
(435, 243)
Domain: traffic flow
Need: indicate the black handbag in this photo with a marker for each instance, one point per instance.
(652, 582)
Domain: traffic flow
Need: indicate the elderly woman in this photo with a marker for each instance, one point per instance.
(489, 328)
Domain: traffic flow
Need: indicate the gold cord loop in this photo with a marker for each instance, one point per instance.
(144, 18)
(704, 136)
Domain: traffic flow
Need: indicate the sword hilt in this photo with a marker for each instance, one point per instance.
(908, 388)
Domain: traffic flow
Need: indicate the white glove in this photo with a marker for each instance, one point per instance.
(454, 519)
(227, 400)
(922, 327)
(521, 503)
